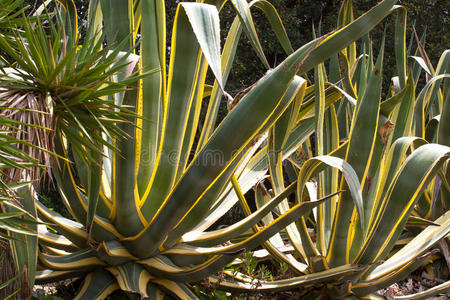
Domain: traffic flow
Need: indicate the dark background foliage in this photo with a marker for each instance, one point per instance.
(299, 17)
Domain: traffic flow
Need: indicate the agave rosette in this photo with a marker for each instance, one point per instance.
(140, 214)
(349, 242)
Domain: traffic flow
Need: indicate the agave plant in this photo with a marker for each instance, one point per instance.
(140, 212)
(357, 244)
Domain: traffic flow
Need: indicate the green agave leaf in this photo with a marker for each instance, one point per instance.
(400, 45)
(204, 20)
(317, 164)
(330, 275)
(55, 240)
(415, 248)
(117, 23)
(359, 155)
(421, 103)
(275, 244)
(404, 113)
(255, 171)
(154, 293)
(131, 277)
(391, 165)
(94, 18)
(202, 207)
(436, 92)
(219, 236)
(186, 55)
(204, 203)
(192, 123)
(97, 285)
(228, 55)
(366, 287)
(326, 141)
(444, 122)
(254, 240)
(243, 11)
(72, 230)
(128, 218)
(85, 259)
(24, 245)
(346, 17)
(278, 135)
(179, 290)
(94, 179)
(47, 276)
(275, 22)
(114, 253)
(407, 185)
(162, 267)
(153, 54)
(388, 105)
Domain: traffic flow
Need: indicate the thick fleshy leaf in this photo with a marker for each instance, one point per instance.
(415, 248)
(275, 21)
(400, 45)
(408, 184)
(72, 230)
(367, 287)
(97, 285)
(422, 101)
(162, 267)
(131, 277)
(444, 122)
(54, 240)
(24, 246)
(243, 11)
(153, 54)
(330, 275)
(186, 55)
(204, 20)
(117, 23)
(80, 260)
(404, 113)
(219, 236)
(359, 154)
(254, 240)
(228, 55)
(177, 289)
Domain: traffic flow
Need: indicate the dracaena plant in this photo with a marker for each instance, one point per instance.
(140, 213)
(17, 218)
(50, 84)
(356, 244)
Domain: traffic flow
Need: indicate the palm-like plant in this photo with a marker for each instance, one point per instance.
(138, 213)
(49, 84)
(17, 218)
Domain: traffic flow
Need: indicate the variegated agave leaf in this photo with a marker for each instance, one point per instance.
(140, 214)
